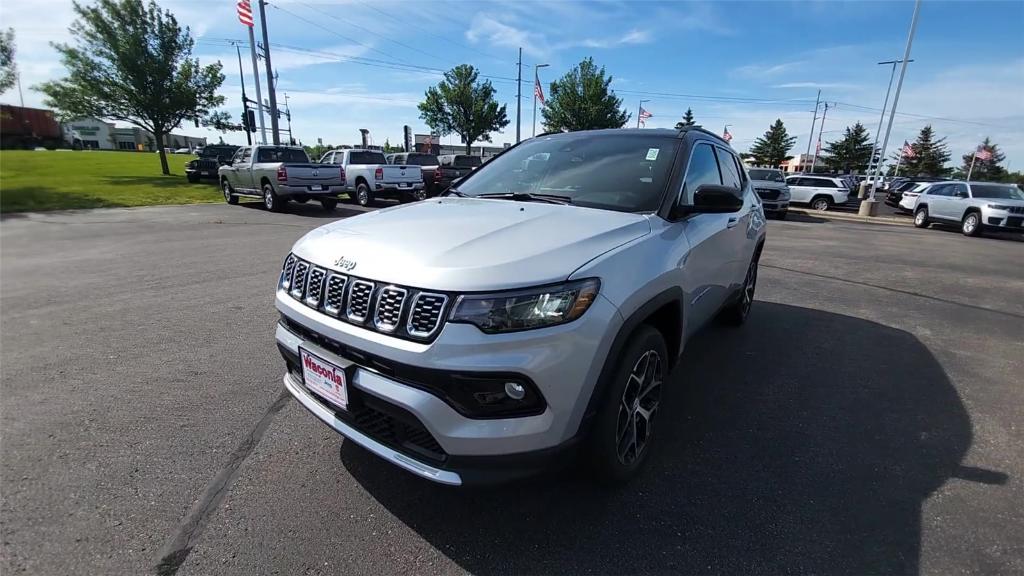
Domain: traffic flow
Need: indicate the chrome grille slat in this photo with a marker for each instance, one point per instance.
(425, 316)
(334, 293)
(287, 270)
(388, 312)
(358, 308)
(298, 286)
(314, 286)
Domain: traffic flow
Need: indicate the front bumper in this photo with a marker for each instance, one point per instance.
(1002, 219)
(564, 362)
(774, 206)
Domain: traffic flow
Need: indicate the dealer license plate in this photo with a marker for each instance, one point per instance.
(324, 379)
(316, 188)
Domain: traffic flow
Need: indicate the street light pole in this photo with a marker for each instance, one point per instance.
(639, 111)
(536, 82)
(519, 97)
(874, 147)
(896, 98)
(814, 120)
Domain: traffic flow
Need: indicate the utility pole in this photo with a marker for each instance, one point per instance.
(536, 83)
(874, 147)
(245, 103)
(871, 207)
(810, 138)
(21, 97)
(821, 129)
(270, 74)
(519, 97)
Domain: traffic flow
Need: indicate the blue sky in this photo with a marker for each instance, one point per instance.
(738, 63)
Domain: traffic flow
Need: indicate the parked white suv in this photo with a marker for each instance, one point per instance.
(525, 312)
(974, 205)
(819, 192)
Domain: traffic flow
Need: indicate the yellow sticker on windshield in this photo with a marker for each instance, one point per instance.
(652, 154)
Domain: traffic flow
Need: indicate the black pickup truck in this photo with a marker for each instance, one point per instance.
(209, 161)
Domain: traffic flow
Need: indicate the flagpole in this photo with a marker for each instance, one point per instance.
(971, 170)
(898, 162)
(536, 85)
(256, 81)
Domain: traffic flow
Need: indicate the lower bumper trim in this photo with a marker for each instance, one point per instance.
(401, 460)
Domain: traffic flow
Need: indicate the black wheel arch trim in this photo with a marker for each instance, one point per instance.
(672, 295)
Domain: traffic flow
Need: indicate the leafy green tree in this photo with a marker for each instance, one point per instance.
(133, 62)
(850, 153)
(773, 148)
(462, 105)
(687, 120)
(221, 121)
(8, 69)
(928, 158)
(986, 170)
(582, 100)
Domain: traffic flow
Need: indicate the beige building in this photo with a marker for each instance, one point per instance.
(100, 135)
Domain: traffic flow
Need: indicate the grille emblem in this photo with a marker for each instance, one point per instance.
(345, 264)
(316, 172)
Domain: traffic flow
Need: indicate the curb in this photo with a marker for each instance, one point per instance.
(887, 220)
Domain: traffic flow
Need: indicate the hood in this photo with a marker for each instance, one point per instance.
(466, 244)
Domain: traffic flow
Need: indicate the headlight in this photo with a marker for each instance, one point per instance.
(999, 206)
(526, 309)
(784, 195)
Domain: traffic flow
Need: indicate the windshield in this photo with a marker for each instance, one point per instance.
(282, 155)
(999, 191)
(421, 160)
(767, 175)
(628, 173)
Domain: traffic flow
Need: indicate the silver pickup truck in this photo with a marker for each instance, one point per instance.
(278, 174)
(368, 175)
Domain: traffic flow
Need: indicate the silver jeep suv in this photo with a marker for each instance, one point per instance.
(536, 309)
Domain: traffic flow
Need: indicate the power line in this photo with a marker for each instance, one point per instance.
(334, 32)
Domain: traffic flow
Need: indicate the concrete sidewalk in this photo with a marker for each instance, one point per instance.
(892, 220)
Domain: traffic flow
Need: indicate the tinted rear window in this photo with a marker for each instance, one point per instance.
(467, 161)
(282, 155)
(421, 160)
(366, 158)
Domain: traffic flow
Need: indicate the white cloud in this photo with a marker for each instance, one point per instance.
(817, 85)
(488, 29)
(764, 71)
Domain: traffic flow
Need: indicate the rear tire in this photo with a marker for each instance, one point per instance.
(821, 203)
(271, 201)
(229, 193)
(363, 195)
(971, 224)
(921, 217)
(736, 313)
(623, 429)
(329, 204)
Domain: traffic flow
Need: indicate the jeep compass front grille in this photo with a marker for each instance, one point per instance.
(397, 310)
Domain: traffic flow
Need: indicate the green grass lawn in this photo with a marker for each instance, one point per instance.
(57, 180)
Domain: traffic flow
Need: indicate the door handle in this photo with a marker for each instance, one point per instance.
(733, 221)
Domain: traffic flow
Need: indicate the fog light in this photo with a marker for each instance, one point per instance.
(515, 390)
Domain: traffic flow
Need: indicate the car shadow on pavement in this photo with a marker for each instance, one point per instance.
(804, 443)
(989, 233)
(313, 209)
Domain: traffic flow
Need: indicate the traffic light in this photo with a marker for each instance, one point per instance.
(249, 121)
(245, 122)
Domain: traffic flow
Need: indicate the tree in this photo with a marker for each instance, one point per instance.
(772, 149)
(461, 105)
(133, 62)
(928, 158)
(687, 120)
(221, 121)
(8, 70)
(582, 100)
(852, 152)
(986, 170)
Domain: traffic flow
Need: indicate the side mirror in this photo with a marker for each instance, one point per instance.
(711, 199)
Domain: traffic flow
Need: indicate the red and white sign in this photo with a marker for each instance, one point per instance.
(325, 379)
(245, 12)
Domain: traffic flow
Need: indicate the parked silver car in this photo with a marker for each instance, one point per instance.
(525, 313)
(278, 174)
(976, 206)
(770, 185)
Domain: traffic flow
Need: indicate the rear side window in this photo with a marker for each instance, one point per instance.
(794, 181)
(366, 158)
(730, 172)
(703, 169)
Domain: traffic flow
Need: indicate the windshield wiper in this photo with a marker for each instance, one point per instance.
(454, 192)
(529, 197)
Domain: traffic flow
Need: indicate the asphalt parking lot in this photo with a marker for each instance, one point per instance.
(867, 419)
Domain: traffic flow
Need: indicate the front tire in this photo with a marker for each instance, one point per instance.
(971, 224)
(229, 193)
(271, 201)
(623, 431)
(921, 217)
(821, 203)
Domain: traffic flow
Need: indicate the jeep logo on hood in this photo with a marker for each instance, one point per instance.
(345, 264)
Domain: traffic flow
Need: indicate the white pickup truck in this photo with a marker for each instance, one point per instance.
(368, 175)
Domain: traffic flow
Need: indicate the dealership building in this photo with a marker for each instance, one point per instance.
(99, 135)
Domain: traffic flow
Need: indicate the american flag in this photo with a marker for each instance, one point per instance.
(983, 154)
(245, 12)
(908, 150)
(644, 115)
(726, 136)
(537, 90)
